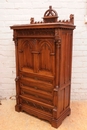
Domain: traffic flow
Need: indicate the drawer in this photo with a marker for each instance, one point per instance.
(36, 94)
(35, 76)
(36, 84)
(36, 105)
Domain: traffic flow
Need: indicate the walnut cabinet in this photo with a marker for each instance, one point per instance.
(43, 67)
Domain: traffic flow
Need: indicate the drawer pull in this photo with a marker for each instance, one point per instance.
(35, 78)
(20, 51)
(42, 108)
(23, 92)
(27, 102)
(34, 105)
(36, 96)
(35, 87)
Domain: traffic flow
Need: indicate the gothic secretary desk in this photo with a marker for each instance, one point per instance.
(43, 67)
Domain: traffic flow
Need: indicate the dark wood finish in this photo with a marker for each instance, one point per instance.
(43, 67)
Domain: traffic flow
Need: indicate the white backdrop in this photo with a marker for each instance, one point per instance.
(19, 12)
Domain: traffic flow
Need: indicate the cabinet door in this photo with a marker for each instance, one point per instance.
(37, 56)
(47, 57)
(25, 55)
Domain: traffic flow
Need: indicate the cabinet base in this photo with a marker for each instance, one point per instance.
(54, 122)
(17, 108)
(57, 122)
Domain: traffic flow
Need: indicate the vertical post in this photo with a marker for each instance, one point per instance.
(17, 107)
(57, 47)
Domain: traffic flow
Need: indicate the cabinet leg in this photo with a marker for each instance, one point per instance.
(57, 122)
(17, 108)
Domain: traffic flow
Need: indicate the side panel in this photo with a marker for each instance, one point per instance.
(65, 71)
(65, 56)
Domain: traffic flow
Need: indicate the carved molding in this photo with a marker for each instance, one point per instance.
(40, 107)
(36, 32)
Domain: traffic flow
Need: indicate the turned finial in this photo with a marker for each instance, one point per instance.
(31, 20)
(72, 18)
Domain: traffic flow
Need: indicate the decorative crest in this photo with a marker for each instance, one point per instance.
(50, 15)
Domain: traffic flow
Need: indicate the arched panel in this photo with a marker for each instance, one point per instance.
(25, 53)
(47, 42)
(45, 57)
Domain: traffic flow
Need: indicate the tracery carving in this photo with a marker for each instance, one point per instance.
(27, 50)
(45, 42)
(36, 32)
(40, 107)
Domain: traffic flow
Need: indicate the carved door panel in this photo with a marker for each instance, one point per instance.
(37, 56)
(47, 57)
(25, 54)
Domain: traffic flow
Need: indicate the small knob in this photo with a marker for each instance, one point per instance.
(35, 87)
(20, 51)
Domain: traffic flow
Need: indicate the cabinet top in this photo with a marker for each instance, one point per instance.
(50, 20)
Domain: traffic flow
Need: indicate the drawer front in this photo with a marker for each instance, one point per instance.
(35, 76)
(36, 94)
(37, 82)
(36, 106)
(37, 87)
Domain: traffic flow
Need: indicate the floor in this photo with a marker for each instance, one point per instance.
(12, 120)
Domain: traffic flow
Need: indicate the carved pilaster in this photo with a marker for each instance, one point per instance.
(55, 102)
(17, 78)
(57, 39)
(58, 42)
(16, 41)
(56, 33)
(15, 38)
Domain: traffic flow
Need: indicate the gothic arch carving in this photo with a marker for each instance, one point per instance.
(45, 42)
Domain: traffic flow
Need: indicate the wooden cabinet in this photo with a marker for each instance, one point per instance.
(43, 67)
